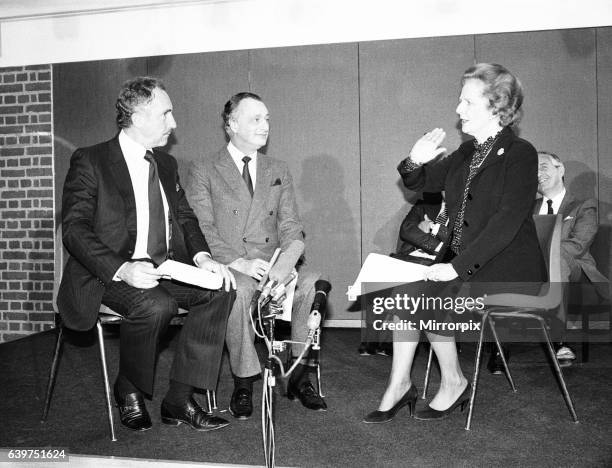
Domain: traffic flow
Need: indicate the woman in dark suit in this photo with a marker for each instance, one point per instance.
(490, 184)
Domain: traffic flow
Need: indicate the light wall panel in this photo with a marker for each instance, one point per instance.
(603, 245)
(312, 96)
(199, 85)
(557, 70)
(604, 135)
(407, 87)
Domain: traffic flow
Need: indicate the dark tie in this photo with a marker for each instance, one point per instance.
(156, 242)
(550, 208)
(246, 175)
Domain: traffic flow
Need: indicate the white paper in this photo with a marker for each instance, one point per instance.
(190, 274)
(379, 268)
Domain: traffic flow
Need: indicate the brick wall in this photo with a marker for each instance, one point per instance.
(26, 201)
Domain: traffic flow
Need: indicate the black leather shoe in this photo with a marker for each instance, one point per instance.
(367, 348)
(132, 411)
(307, 395)
(191, 414)
(429, 413)
(495, 364)
(241, 405)
(385, 349)
(378, 417)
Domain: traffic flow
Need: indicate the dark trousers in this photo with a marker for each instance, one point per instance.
(147, 313)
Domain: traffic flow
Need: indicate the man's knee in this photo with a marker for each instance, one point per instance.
(156, 306)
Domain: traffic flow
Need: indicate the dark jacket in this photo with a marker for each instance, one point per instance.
(499, 240)
(411, 237)
(99, 226)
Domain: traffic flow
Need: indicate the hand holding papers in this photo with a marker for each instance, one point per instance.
(379, 268)
(190, 274)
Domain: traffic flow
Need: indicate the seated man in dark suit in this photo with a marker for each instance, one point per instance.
(124, 212)
(423, 230)
(577, 234)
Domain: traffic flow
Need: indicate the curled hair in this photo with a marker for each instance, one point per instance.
(503, 90)
(134, 93)
(231, 106)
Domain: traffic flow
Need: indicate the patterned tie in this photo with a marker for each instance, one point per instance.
(246, 175)
(156, 242)
(480, 153)
(550, 208)
(442, 217)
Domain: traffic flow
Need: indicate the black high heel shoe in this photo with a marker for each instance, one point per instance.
(430, 413)
(409, 398)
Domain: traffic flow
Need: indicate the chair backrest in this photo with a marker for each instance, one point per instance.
(548, 228)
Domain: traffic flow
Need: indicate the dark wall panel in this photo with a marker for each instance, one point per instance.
(407, 88)
(557, 69)
(199, 85)
(312, 96)
(84, 96)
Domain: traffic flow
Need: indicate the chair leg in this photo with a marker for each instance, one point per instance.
(109, 407)
(585, 335)
(558, 372)
(211, 401)
(483, 321)
(214, 399)
(53, 372)
(501, 353)
(427, 373)
(318, 367)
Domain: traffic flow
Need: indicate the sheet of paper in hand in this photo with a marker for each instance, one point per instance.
(190, 274)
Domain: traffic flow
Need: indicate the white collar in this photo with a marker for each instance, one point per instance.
(237, 156)
(130, 147)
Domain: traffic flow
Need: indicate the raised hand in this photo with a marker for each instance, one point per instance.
(427, 147)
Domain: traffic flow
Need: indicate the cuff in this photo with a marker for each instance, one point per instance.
(408, 165)
(197, 258)
(116, 275)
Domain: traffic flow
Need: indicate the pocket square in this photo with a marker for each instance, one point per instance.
(568, 218)
(276, 182)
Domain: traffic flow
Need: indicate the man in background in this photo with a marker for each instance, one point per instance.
(577, 233)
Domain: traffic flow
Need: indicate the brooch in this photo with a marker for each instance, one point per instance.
(500, 151)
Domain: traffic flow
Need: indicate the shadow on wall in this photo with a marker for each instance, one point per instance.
(583, 180)
(332, 241)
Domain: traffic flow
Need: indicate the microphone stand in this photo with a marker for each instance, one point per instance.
(273, 310)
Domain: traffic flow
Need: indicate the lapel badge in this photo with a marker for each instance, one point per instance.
(500, 151)
(178, 187)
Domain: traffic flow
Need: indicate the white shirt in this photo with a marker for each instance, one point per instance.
(556, 203)
(134, 154)
(237, 156)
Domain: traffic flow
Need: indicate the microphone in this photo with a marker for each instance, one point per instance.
(275, 292)
(322, 288)
(263, 281)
